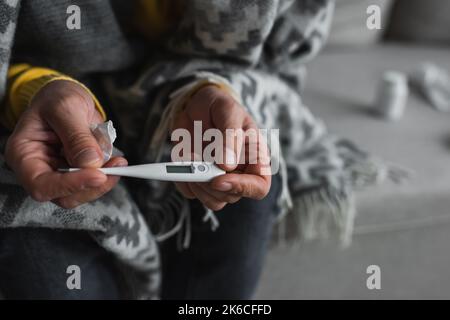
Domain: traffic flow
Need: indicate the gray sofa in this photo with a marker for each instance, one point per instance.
(403, 229)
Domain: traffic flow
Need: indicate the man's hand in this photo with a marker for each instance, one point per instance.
(217, 109)
(58, 118)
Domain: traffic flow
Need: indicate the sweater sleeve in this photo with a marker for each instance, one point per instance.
(24, 82)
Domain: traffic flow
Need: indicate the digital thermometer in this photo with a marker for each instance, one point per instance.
(168, 171)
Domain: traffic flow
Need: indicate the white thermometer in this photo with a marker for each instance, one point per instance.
(168, 171)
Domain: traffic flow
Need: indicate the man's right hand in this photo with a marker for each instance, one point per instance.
(59, 117)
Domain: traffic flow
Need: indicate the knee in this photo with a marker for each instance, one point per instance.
(34, 264)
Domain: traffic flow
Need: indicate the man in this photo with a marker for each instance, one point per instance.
(238, 66)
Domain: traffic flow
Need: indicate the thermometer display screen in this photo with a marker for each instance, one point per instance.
(179, 169)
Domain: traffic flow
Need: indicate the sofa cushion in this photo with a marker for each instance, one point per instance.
(349, 23)
(420, 21)
(341, 89)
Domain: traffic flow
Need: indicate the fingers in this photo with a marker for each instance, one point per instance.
(219, 196)
(71, 123)
(244, 184)
(229, 117)
(217, 109)
(183, 187)
(43, 183)
(208, 200)
(212, 199)
(91, 194)
(60, 113)
(50, 185)
(34, 164)
(199, 105)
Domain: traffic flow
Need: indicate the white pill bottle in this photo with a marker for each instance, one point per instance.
(392, 95)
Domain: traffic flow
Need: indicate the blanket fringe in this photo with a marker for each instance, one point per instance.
(318, 214)
(329, 213)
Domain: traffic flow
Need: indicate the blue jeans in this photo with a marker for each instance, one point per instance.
(224, 264)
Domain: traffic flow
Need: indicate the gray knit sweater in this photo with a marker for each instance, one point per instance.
(100, 45)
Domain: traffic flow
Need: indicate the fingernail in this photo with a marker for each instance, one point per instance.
(87, 157)
(95, 182)
(230, 156)
(224, 186)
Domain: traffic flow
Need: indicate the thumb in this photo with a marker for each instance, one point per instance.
(80, 146)
(228, 116)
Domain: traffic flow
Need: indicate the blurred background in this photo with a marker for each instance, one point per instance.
(404, 229)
